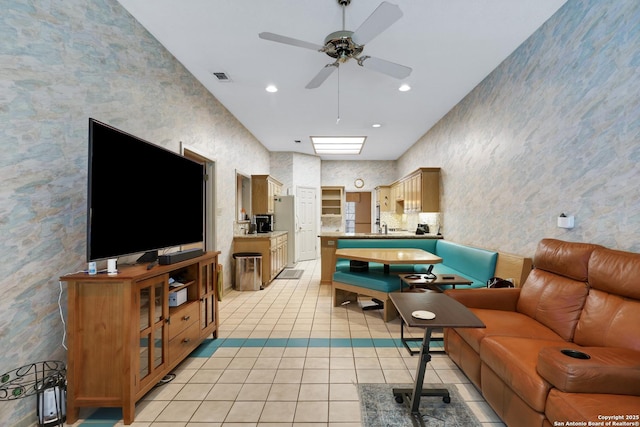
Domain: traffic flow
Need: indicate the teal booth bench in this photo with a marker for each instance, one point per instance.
(478, 265)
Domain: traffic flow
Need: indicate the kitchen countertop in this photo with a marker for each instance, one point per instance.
(391, 235)
(260, 235)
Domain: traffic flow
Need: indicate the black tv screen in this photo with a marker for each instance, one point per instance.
(141, 197)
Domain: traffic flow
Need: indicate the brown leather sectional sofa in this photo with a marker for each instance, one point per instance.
(580, 297)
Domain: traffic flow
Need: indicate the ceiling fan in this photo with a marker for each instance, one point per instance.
(344, 45)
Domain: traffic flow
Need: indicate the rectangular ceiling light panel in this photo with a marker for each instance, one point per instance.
(338, 144)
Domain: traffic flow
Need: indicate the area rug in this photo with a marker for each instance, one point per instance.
(379, 408)
(290, 274)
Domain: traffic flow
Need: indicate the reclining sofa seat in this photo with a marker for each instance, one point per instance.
(608, 331)
(527, 327)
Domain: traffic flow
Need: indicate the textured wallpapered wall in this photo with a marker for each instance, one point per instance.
(344, 173)
(555, 128)
(63, 62)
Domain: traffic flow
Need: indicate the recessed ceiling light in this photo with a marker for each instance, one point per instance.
(404, 88)
(271, 88)
(376, 125)
(338, 144)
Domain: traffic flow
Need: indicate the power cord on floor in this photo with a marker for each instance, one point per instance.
(64, 324)
(165, 380)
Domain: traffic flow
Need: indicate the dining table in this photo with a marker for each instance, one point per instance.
(388, 256)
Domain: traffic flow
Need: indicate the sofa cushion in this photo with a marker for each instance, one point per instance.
(607, 370)
(606, 320)
(505, 323)
(567, 259)
(555, 301)
(584, 407)
(612, 304)
(615, 272)
(375, 280)
(555, 291)
(514, 361)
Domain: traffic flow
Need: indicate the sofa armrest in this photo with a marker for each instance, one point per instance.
(608, 370)
(504, 299)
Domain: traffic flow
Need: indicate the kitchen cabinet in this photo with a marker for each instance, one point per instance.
(427, 190)
(417, 192)
(398, 190)
(383, 198)
(332, 201)
(413, 193)
(123, 335)
(264, 189)
(272, 246)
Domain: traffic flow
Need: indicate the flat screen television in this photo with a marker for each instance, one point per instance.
(141, 197)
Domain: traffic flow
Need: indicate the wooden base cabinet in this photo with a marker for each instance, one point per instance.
(123, 335)
(273, 247)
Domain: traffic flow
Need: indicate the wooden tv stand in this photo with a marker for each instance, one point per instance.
(123, 337)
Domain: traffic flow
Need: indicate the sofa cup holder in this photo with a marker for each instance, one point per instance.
(576, 354)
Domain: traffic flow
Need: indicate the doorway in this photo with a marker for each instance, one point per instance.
(358, 212)
(306, 236)
(209, 196)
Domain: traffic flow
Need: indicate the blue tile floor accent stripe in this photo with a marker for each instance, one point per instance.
(298, 342)
(319, 342)
(254, 342)
(103, 417)
(361, 342)
(209, 346)
(340, 342)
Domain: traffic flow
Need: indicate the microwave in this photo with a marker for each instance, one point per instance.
(264, 223)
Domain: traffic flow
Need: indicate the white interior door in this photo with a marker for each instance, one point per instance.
(307, 235)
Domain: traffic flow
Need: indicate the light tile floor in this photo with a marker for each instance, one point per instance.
(285, 357)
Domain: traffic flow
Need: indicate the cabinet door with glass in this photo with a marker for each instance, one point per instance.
(208, 278)
(153, 308)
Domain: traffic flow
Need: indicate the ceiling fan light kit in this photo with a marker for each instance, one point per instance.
(343, 45)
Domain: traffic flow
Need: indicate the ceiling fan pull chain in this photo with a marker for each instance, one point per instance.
(338, 119)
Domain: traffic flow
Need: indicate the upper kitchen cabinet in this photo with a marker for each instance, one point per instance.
(264, 189)
(332, 198)
(383, 198)
(417, 192)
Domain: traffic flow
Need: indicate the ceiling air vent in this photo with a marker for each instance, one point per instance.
(222, 77)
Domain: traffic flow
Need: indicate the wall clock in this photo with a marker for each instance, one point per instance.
(359, 183)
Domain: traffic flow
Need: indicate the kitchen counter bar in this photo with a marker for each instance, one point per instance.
(260, 235)
(328, 244)
(391, 235)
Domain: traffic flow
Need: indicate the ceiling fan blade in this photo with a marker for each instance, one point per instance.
(288, 40)
(386, 67)
(322, 75)
(381, 19)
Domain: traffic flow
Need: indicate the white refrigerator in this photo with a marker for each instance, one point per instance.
(285, 219)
